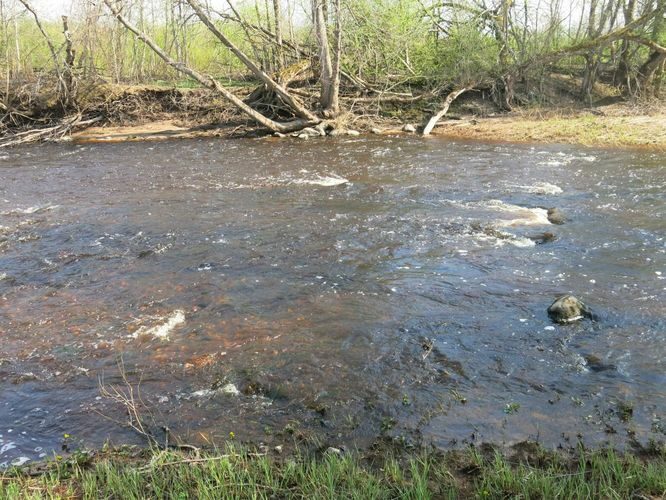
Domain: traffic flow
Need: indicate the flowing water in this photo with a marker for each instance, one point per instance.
(329, 291)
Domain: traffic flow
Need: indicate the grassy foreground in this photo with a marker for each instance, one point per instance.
(238, 473)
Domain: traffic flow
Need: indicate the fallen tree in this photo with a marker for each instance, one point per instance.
(307, 118)
(53, 132)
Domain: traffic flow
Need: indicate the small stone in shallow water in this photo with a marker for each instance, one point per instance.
(542, 238)
(567, 309)
(556, 216)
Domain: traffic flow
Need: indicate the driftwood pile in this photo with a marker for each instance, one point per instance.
(52, 132)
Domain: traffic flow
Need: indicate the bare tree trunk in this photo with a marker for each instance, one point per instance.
(63, 87)
(244, 26)
(591, 58)
(622, 73)
(292, 102)
(68, 71)
(334, 106)
(279, 54)
(210, 82)
(17, 46)
(508, 78)
(46, 37)
(326, 65)
(649, 72)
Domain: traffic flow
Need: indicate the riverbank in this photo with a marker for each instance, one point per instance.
(125, 113)
(527, 472)
(643, 132)
(617, 126)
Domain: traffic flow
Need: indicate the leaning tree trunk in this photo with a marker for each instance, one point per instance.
(210, 82)
(291, 101)
(649, 73)
(445, 108)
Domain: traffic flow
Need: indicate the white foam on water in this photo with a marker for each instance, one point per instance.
(203, 393)
(327, 181)
(562, 158)
(228, 389)
(523, 216)
(504, 239)
(541, 188)
(31, 210)
(553, 163)
(162, 330)
(18, 462)
(521, 242)
(6, 447)
(3, 276)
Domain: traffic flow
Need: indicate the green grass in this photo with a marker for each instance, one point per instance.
(237, 473)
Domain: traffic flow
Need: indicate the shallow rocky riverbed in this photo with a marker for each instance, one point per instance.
(330, 291)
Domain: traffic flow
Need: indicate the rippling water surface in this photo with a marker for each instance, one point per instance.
(335, 289)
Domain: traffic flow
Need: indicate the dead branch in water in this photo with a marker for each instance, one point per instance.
(130, 399)
(54, 132)
(445, 108)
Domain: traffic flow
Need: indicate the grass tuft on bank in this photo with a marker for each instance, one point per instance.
(239, 473)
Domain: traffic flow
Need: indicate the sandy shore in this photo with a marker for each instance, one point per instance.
(646, 131)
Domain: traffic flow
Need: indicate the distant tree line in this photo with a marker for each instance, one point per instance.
(305, 54)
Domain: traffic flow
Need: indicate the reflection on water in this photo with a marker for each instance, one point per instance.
(340, 288)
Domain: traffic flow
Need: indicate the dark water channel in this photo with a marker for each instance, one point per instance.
(330, 292)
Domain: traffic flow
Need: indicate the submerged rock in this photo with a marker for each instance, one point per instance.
(542, 238)
(556, 216)
(567, 309)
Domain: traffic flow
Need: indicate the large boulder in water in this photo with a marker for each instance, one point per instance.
(567, 309)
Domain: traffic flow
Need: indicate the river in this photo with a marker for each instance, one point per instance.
(329, 293)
